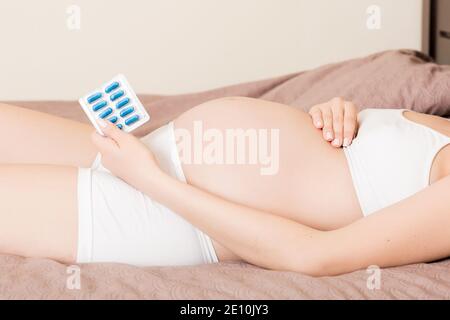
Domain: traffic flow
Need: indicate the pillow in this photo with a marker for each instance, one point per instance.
(392, 79)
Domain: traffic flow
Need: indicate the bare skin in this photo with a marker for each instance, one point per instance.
(38, 195)
(265, 206)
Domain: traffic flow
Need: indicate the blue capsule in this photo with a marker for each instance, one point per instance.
(113, 119)
(116, 95)
(94, 97)
(105, 113)
(126, 112)
(132, 120)
(122, 103)
(113, 86)
(99, 105)
(120, 126)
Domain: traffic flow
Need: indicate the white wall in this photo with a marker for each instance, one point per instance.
(175, 46)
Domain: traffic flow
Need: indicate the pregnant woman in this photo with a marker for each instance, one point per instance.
(335, 203)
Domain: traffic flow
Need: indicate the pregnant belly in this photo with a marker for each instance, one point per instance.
(267, 156)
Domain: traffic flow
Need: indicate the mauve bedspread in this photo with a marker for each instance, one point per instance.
(393, 79)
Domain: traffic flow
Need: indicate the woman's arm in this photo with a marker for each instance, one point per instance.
(414, 230)
(258, 237)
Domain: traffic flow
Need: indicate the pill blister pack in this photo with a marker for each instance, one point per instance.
(115, 101)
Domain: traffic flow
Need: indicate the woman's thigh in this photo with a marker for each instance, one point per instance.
(28, 136)
(39, 211)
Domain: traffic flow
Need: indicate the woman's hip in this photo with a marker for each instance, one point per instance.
(118, 223)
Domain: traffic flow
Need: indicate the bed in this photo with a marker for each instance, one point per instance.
(392, 79)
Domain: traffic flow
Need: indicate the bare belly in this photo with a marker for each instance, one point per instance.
(311, 184)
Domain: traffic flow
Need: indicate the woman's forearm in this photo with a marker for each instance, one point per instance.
(258, 237)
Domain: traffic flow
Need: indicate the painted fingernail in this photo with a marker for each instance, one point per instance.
(318, 124)
(328, 136)
(336, 142)
(101, 123)
(346, 142)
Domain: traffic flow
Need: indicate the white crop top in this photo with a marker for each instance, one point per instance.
(391, 157)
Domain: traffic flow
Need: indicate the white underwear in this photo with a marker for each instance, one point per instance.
(118, 223)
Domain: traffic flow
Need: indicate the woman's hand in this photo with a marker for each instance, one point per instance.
(338, 120)
(126, 156)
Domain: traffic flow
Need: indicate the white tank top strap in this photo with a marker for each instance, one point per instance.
(401, 114)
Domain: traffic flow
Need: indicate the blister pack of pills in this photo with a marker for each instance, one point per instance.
(115, 101)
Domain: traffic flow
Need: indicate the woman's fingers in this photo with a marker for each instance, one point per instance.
(327, 117)
(316, 116)
(111, 130)
(337, 108)
(104, 144)
(110, 141)
(350, 123)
